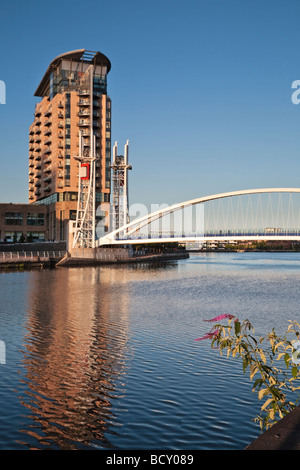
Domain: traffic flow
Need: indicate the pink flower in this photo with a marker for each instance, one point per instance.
(221, 317)
(208, 335)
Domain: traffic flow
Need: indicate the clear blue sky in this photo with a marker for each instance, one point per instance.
(201, 88)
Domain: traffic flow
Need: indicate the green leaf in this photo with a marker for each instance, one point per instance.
(258, 383)
(287, 359)
(245, 363)
(294, 371)
(237, 327)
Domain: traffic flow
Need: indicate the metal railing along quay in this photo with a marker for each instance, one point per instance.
(11, 256)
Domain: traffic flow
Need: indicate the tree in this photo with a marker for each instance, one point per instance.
(274, 385)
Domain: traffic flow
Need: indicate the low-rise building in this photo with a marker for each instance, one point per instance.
(23, 222)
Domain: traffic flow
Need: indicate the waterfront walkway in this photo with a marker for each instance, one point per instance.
(30, 259)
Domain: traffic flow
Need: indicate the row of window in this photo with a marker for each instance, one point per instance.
(70, 196)
(17, 218)
(21, 237)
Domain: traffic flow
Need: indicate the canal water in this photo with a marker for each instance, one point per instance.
(106, 357)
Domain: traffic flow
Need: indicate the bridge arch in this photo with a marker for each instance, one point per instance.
(136, 225)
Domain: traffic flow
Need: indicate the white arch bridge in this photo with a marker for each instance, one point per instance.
(255, 214)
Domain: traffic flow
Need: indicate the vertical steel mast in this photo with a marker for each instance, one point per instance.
(120, 169)
(85, 228)
(84, 235)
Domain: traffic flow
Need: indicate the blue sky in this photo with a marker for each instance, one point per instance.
(202, 89)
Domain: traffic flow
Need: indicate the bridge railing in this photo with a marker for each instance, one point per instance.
(212, 234)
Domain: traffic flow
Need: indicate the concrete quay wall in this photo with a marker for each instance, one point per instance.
(97, 256)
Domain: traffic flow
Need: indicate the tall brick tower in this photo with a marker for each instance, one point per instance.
(74, 114)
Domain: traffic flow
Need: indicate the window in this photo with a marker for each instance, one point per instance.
(35, 219)
(68, 196)
(73, 215)
(13, 218)
(35, 236)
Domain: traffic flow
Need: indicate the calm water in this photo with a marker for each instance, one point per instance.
(105, 358)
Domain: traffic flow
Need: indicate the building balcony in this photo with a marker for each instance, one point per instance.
(84, 92)
(31, 164)
(84, 102)
(37, 158)
(48, 169)
(84, 122)
(60, 155)
(60, 185)
(31, 139)
(48, 112)
(60, 174)
(48, 160)
(84, 133)
(37, 130)
(37, 193)
(31, 197)
(60, 135)
(60, 145)
(38, 166)
(38, 139)
(31, 132)
(48, 122)
(31, 181)
(83, 112)
(48, 131)
(31, 147)
(37, 184)
(60, 115)
(47, 179)
(47, 150)
(47, 188)
(60, 105)
(31, 189)
(48, 141)
(38, 148)
(38, 174)
(60, 125)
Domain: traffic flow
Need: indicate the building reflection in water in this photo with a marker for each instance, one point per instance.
(75, 356)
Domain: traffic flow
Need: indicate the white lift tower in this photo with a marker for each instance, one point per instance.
(84, 235)
(120, 203)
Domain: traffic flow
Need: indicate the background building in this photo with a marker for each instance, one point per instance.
(23, 223)
(74, 103)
